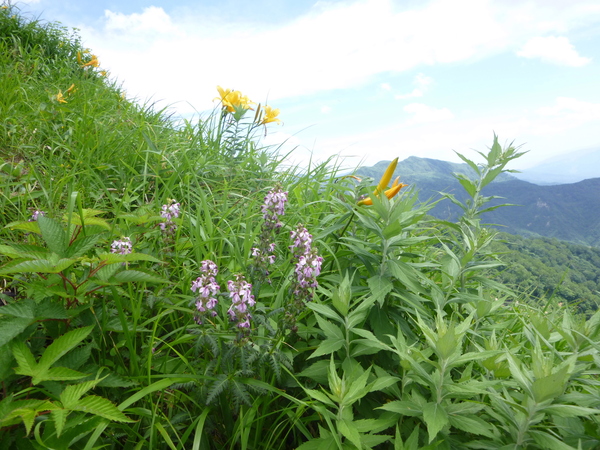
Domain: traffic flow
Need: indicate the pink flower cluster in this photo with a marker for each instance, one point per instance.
(240, 292)
(169, 212)
(273, 207)
(37, 213)
(207, 289)
(122, 246)
(308, 264)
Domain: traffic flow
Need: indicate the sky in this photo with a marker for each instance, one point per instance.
(363, 80)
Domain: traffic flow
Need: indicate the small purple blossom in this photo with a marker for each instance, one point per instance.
(37, 213)
(273, 207)
(122, 246)
(240, 292)
(169, 212)
(207, 288)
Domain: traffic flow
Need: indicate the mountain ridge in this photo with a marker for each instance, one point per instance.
(570, 211)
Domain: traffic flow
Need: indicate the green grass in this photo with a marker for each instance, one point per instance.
(407, 343)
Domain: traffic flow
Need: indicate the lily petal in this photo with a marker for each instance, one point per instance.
(387, 176)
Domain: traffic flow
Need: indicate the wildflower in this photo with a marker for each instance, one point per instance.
(308, 268)
(71, 89)
(233, 101)
(122, 246)
(270, 115)
(240, 292)
(385, 179)
(207, 289)
(60, 98)
(36, 214)
(91, 63)
(272, 208)
(169, 212)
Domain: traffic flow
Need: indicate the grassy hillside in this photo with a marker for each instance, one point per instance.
(171, 286)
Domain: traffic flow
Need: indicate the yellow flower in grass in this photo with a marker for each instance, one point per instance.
(60, 98)
(91, 63)
(270, 115)
(385, 179)
(233, 100)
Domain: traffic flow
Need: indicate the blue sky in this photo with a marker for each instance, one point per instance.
(367, 80)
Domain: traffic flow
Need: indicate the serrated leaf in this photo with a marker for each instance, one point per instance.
(39, 266)
(53, 234)
(28, 227)
(435, 418)
(327, 346)
(11, 327)
(128, 276)
(404, 408)
(325, 311)
(80, 246)
(26, 361)
(24, 309)
(60, 418)
(380, 286)
(58, 374)
(471, 424)
(71, 394)
(23, 251)
(102, 407)
(112, 258)
(62, 345)
(330, 330)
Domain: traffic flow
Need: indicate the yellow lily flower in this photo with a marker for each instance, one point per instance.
(270, 115)
(71, 89)
(60, 98)
(91, 63)
(233, 100)
(385, 179)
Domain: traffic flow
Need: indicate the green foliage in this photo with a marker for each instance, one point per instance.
(408, 338)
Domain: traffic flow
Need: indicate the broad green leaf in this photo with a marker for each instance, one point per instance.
(128, 276)
(380, 286)
(26, 361)
(349, 432)
(549, 442)
(23, 251)
(471, 424)
(112, 258)
(82, 245)
(435, 418)
(24, 309)
(11, 327)
(331, 331)
(550, 386)
(320, 396)
(60, 417)
(402, 407)
(54, 235)
(71, 394)
(569, 410)
(58, 374)
(101, 407)
(325, 311)
(327, 346)
(62, 345)
(53, 265)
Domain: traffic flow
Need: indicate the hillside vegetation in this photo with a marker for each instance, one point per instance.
(169, 285)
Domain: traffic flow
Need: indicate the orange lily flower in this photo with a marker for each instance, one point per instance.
(385, 179)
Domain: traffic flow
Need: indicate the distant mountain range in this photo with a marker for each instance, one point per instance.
(569, 212)
(567, 168)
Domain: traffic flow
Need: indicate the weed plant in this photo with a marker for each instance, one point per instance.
(171, 286)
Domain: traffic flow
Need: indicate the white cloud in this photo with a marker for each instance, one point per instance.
(386, 86)
(152, 19)
(422, 82)
(552, 49)
(425, 114)
(325, 109)
(334, 46)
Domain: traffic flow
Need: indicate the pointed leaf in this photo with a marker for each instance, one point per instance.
(101, 407)
(26, 361)
(60, 418)
(54, 235)
(435, 418)
(63, 344)
(128, 276)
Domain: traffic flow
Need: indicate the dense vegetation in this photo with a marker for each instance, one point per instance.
(173, 287)
(551, 270)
